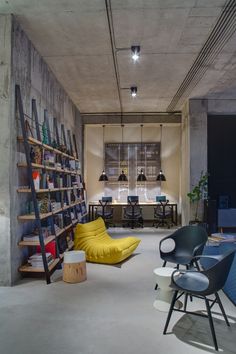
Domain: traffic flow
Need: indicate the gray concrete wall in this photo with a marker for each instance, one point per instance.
(194, 153)
(36, 81)
(5, 149)
(185, 166)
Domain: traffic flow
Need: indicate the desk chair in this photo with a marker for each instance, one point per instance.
(163, 213)
(202, 284)
(105, 210)
(133, 215)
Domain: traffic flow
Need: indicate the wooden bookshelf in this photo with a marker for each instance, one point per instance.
(67, 208)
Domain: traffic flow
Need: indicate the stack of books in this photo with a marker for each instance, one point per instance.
(36, 260)
(217, 238)
(34, 236)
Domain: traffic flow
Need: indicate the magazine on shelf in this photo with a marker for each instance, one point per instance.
(36, 259)
(217, 238)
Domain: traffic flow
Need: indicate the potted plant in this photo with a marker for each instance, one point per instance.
(198, 193)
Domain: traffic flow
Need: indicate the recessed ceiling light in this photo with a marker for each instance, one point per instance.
(133, 90)
(135, 50)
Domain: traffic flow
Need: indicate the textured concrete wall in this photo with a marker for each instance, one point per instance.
(185, 166)
(194, 152)
(5, 149)
(36, 81)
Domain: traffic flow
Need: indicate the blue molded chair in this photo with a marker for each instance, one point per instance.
(202, 284)
(189, 242)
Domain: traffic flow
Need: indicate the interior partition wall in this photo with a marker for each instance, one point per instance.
(94, 156)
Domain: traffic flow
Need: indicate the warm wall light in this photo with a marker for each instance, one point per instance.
(133, 91)
(103, 176)
(135, 50)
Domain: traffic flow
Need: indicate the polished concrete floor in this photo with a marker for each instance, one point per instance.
(110, 313)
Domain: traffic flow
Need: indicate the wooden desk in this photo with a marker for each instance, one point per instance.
(93, 205)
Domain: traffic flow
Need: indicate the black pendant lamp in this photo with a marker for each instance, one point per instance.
(122, 177)
(103, 176)
(161, 177)
(141, 176)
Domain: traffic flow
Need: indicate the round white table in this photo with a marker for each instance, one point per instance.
(164, 292)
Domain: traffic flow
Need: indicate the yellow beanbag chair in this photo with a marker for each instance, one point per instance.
(99, 246)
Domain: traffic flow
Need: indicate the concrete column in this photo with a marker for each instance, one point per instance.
(5, 149)
(194, 151)
(185, 166)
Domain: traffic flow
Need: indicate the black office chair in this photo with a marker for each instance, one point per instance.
(202, 284)
(163, 213)
(133, 215)
(105, 210)
(188, 242)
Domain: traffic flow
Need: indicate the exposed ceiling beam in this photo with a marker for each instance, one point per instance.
(117, 118)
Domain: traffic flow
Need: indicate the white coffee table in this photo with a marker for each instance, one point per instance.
(164, 292)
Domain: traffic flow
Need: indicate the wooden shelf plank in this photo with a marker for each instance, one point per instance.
(64, 230)
(46, 215)
(59, 233)
(32, 217)
(34, 141)
(36, 243)
(47, 190)
(48, 168)
(27, 268)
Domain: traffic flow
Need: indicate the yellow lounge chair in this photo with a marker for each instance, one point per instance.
(99, 247)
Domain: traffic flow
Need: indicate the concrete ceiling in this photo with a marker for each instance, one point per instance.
(74, 39)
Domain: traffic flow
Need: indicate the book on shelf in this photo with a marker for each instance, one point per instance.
(218, 238)
(36, 260)
(34, 236)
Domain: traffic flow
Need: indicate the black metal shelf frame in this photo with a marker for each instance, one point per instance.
(48, 270)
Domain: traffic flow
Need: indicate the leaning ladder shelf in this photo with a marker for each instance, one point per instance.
(66, 207)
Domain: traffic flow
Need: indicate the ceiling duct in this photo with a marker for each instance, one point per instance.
(219, 36)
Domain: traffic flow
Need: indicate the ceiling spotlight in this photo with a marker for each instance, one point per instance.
(133, 91)
(135, 50)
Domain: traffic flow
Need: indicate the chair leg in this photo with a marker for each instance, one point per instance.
(211, 323)
(170, 311)
(197, 265)
(185, 301)
(222, 308)
(191, 298)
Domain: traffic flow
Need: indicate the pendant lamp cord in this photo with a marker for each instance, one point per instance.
(160, 143)
(141, 150)
(103, 139)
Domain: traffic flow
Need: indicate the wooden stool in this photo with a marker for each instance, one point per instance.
(74, 270)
